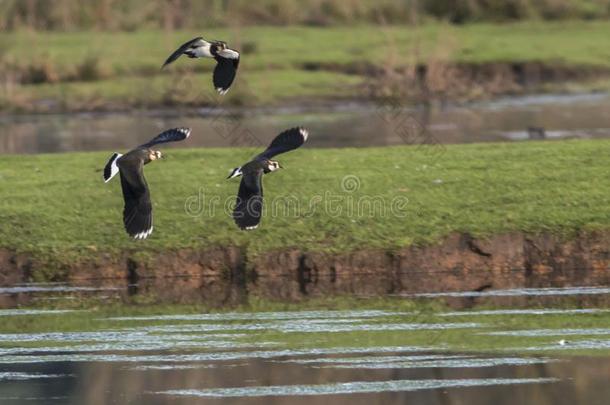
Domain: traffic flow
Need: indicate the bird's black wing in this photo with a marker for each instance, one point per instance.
(249, 205)
(178, 52)
(286, 141)
(225, 71)
(137, 213)
(171, 135)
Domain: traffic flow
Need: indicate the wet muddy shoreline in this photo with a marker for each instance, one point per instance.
(229, 276)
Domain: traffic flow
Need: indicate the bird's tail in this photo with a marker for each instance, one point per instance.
(111, 168)
(235, 172)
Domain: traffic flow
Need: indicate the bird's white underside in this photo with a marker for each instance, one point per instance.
(203, 51)
(229, 54)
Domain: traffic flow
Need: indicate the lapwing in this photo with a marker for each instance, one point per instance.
(137, 214)
(227, 60)
(249, 204)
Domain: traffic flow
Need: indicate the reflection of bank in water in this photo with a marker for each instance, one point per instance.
(222, 291)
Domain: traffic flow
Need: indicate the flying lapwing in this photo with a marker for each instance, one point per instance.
(137, 214)
(227, 60)
(249, 205)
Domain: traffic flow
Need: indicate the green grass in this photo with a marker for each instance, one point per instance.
(280, 66)
(57, 205)
(287, 47)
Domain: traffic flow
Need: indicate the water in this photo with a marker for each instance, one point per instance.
(188, 290)
(354, 387)
(549, 291)
(563, 116)
(359, 356)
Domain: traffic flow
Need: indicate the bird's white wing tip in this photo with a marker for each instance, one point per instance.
(143, 235)
(304, 133)
(185, 131)
(111, 168)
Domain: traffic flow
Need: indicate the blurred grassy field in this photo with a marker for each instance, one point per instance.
(57, 205)
(86, 70)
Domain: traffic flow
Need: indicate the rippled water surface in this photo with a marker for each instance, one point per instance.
(562, 116)
(356, 356)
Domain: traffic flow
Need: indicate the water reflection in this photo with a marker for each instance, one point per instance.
(213, 291)
(252, 358)
(259, 381)
(355, 387)
(549, 291)
(563, 116)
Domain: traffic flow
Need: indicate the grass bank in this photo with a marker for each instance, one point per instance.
(44, 71)
(325, 199)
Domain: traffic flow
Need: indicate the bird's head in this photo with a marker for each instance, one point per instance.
(272, 165)
(155, 155)
(219, 45)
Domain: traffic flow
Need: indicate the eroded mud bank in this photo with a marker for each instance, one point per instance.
(473, 81)
(226, 275)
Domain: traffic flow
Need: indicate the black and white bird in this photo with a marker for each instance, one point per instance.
(137, 214)
(227, 60)
(249, 206)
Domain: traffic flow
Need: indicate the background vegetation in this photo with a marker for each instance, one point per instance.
(67, 55)
(91, 70)
(129, 15)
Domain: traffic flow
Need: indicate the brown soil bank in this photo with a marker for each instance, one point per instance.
(457, 81)
(225, 275)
